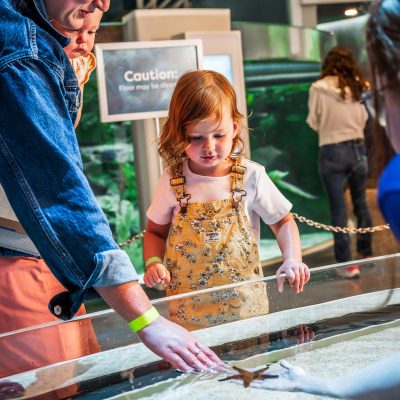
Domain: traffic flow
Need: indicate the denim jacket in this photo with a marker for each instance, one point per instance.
(40, 163)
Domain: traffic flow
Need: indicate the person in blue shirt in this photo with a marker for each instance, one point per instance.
(379, 380)
(383, 40)
(41, 174)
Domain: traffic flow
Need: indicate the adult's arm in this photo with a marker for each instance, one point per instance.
(41, 173)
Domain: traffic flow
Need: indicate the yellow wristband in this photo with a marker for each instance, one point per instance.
(145, 319)
(151, 260)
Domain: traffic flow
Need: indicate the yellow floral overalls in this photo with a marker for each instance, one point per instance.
(212, 244)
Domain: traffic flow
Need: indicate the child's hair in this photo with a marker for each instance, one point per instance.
(197, 96)
(341, 63)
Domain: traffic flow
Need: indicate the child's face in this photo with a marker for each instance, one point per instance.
(82, 40)
(211, 143)
(72, 13)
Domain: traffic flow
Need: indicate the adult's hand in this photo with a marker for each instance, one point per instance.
(165, 338)
(178, 346)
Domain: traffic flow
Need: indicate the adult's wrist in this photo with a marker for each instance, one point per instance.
(144, 320)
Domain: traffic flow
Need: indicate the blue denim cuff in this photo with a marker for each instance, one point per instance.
(115, 268)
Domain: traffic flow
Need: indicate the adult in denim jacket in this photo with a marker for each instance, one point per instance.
(41, 173)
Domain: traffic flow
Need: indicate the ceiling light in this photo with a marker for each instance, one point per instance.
(351, 12)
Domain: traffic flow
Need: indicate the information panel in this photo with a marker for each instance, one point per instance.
(136, 79)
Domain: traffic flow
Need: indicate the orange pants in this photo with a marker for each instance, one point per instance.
(26, 286)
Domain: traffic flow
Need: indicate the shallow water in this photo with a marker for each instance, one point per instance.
(330, 361)
(328, 348)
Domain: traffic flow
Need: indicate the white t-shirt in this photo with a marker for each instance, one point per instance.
(263, 199)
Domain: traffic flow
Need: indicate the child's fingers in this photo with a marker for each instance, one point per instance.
(151, 277)
(146, 280)
(307, 274)
(280, 280)
(296, 280)
(162, 273)
(155, 276)
(304, 274)
(167, 278)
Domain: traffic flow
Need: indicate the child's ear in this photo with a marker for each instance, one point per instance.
(235, 128)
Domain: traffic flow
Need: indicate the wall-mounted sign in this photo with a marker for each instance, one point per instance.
(136, 79)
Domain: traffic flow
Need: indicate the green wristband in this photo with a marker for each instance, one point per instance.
(151, 260)
(145, 319)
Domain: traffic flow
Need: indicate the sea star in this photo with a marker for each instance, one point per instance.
(249, 376)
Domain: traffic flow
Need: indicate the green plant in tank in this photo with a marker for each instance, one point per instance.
(281, 141)
(271, 153)
(277, 177)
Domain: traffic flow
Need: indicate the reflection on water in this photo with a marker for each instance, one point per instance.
(160, 373)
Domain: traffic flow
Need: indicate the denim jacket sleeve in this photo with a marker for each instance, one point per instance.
(41, 173)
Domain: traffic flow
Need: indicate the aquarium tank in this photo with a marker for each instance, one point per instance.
(280, 139)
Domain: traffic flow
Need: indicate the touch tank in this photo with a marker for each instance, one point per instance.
(335, 326)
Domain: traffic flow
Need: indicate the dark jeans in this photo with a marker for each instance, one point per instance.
(340, 164)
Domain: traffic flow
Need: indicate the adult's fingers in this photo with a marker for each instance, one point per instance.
(198, 361)
(209, 353)
(178, 346)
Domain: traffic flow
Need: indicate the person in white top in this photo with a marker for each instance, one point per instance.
(339, 118)
(204, 226)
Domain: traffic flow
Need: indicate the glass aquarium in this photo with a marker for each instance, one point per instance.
(280, 140)
(277, 94)
(108, 162)
(333, 327)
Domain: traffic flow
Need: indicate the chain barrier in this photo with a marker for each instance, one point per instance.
(132, 239)
(300, 218)
(336, 229)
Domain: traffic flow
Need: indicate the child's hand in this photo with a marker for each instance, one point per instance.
(297, 274)
(156, 273)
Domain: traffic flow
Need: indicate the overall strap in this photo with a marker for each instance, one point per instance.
(177, 184)
(237, 179)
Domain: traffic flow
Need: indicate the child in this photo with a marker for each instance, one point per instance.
(204, 219)
(79, 49)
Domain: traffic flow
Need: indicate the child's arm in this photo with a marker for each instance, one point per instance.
(287, 235)
(154, 246)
